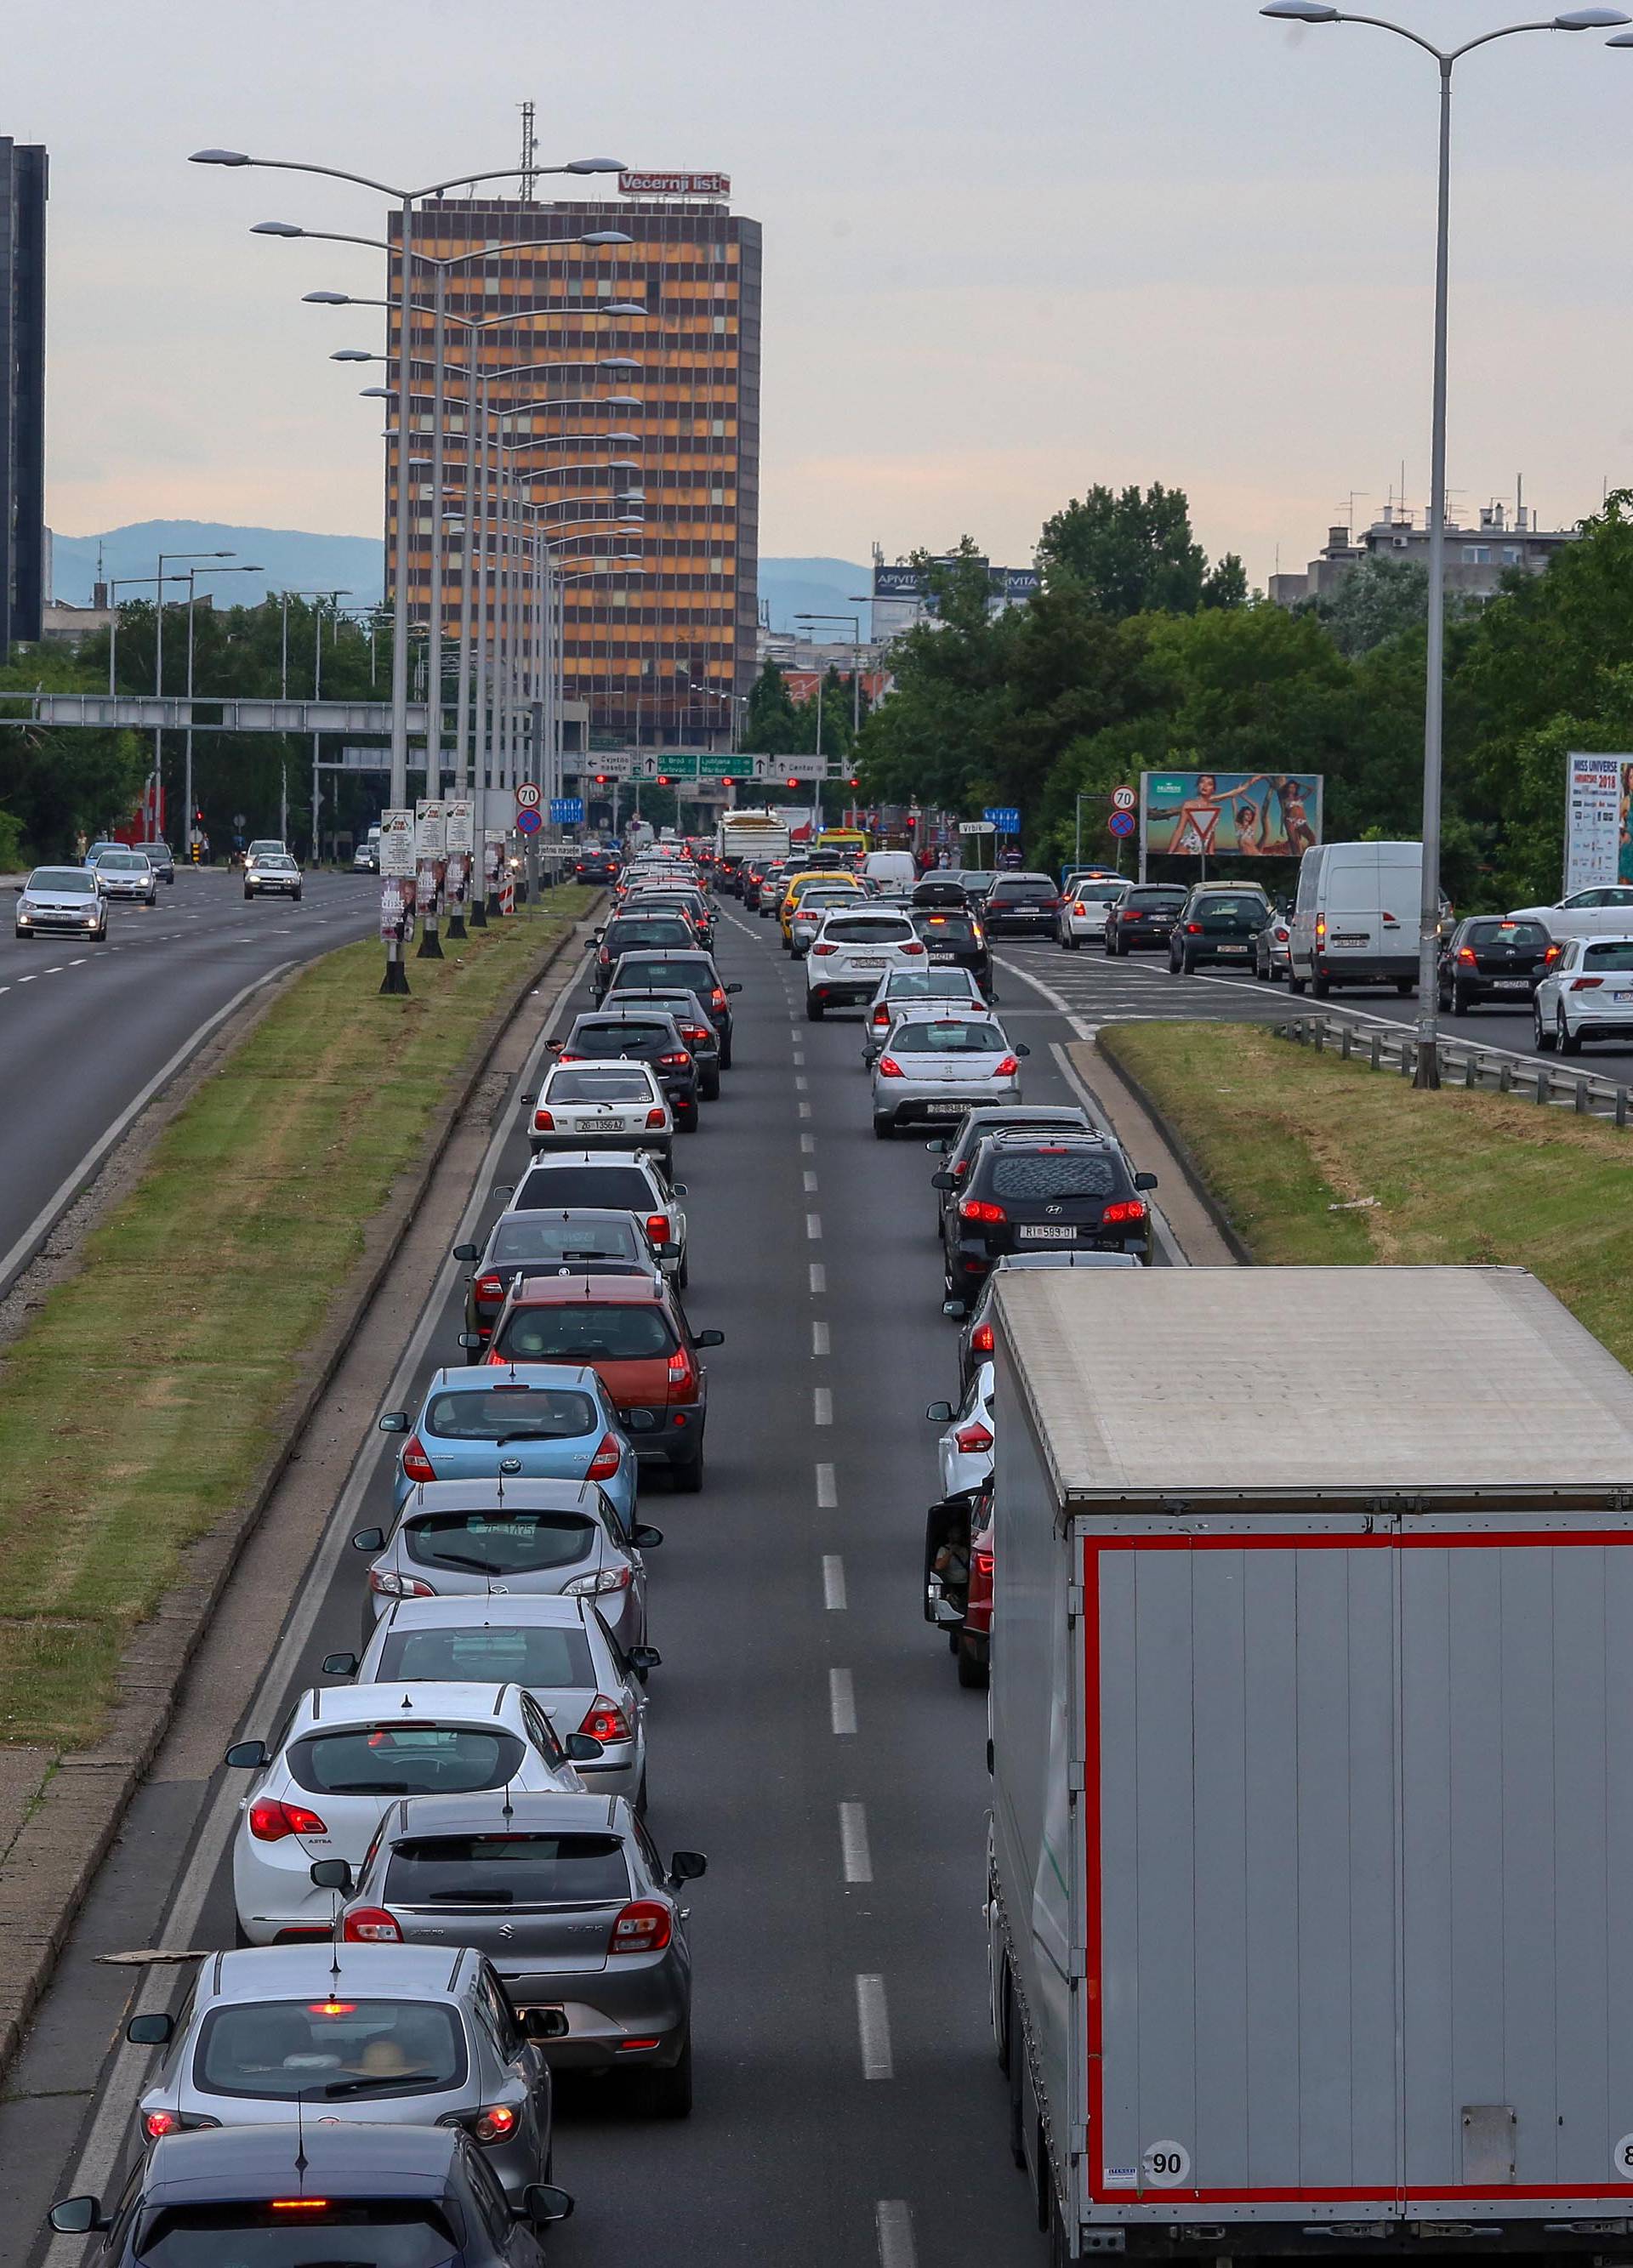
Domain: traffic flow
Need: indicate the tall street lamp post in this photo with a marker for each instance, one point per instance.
(192, 574)
(156, 789)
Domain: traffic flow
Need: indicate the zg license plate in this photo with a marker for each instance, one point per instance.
(1351, 939)
(1510, 984)
(868, 961)
(606, 1125)
(1047, 1235)
(942, 955)
(946, 1110)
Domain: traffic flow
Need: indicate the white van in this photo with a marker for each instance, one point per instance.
(1356, 918)
(891, 872)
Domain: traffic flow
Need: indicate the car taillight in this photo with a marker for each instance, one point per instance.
(567, 1058)
(981, 1339)
(912, 950)
(644, 1927)
(605, 1462)
(656, 1117)
(1048, 905)
(604, 1721)
(390, 1584)
(1193, 929)
(717, 998)
(605, 957)
(1007, 1068)
(1320, 927)
(881, 1019)
(681, 1370)
(1080, 907)
(658, 1227)
(544, 1121)
(980, 1209)
(371, 1925)
(495, 2121)
(1126, 1209)
(982, 1563)
(694, 1031)
(157, 2123)
(823, 951)
(270, 1821)
(961, 1170)
(416, 1466)
(682, 1057)
(597, 1586)
(973, 1438)
(1552, 955)
(490, 1287)
(1130, 913)
(1585, 984)
(1467, 954)
(888, 1068)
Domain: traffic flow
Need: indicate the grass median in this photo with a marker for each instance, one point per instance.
(1317, 1161)
(136, 1407)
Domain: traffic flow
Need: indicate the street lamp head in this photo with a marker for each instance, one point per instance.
(596, 165)
(617, 361)
(326, 298)
(219, 158)
(374, 392)
(1301, 11)
(276, 228)
(355, 354)
(606, 236)
(620, 307)
(634, 402)
(1590, 20)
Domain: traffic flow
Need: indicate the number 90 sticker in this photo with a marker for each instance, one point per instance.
(1167, 2165)
(1622, 2157)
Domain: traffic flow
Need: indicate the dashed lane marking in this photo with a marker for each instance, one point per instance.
(822, 1405)
(833, 1582)
(853, 1850)
(842, 1703)
(827, 1492)
(873, 2022)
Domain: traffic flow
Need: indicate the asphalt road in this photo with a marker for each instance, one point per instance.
(807, 1733)
(84, 1028)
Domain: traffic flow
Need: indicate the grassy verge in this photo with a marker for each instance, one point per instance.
(137, 1405)
(1291, 1143)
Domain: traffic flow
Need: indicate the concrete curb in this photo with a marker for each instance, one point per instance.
(54, 1860)
(1192, 1172)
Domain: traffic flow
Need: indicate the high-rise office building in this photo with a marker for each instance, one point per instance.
(660, 655)
(23, 172)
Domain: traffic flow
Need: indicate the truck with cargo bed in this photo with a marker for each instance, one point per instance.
(1310, 1847)
(755, 837)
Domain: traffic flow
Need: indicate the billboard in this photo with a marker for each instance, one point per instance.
(674, 185)
(1599, 796)
(1230, 815)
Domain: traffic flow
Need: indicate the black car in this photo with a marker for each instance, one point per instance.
(1024, 1191)
(1142, 920)
(690, 904)
(954, 939)
(159, 858)
(959, 1149)
(643, 969)
(697, 1024)
(415, 2196)
(975, 1340)
(1218, 922)
(648, 1036)
(1489, 958)
(523, 1245)
(628, 932)
(1027, 903)
(599, 868)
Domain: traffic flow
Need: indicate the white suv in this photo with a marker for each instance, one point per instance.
(1588, 994)
(620, 1181)
(852, 951)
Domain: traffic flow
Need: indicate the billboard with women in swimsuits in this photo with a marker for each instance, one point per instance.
(1230, 815)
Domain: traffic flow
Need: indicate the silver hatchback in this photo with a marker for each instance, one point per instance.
(933, 1068)
(382, 2035)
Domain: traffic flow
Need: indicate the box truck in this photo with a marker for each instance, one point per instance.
(759, 835)
(1311, 1846)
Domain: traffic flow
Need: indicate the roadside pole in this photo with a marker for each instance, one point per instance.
(396, 881)
(430, 836)
(462, 813)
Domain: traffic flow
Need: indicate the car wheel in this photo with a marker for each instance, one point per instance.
(883, 1127)
(153, 899)
(295, 896)
(1260, 973)
(668, 2094)
(687, 1480)
(247, 895)
(1072, 944)
(686, 1116)
(1121, 948)
(972, 1671)
(1460, 1002)
(1405, 984)
(711, 1087)
(813, 1009)
(1295, 984)
(1187, 963)
(1568, 1043)
(1321, 986)
(682, 1275)
(1542, 1039)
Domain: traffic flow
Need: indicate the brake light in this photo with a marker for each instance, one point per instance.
(389, 1585)
(961, 1170)
(682, 1057)
(157, 2123)
(605, 957)
(1466, 954)
(1049, 905)
(1552, 955)
(717, 998)
(567, 1058)
(490, 1287)
(371, 1925)
(496, 2122)
(270, 1821)
(681, 1372)
(299, 2205)
(823, 951)
(1130, 913)
(604, 1720)
(1126, 1209)
(981, 1339)
(691, 1032)
(973, 1438)
(888, 1068)
(1193, 929)
(1080, 907)
(644, 1927)
(656, 1117)
(915, 948)
(416, 1466)
(544, 1121)
(881, 1019)
(1585, 984)
(982, 1563)
(1007, 1068)
(658, 1227)
(604, 1464)
(980, 1209)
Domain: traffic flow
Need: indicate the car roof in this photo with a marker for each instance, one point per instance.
(613, 1213)
(557, 1158)
(489, 1496)
(329, 1708)
(1022, 875)
(516, 1811)
(478, 1379)
(252, 2163)
(1082, 1138)
(607, 1291)
(266, 1972)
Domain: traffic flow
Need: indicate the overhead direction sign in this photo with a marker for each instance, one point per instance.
(567, 810)
(1005, 817)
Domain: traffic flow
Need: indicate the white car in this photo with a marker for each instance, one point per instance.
(1588, 994)
(604, 1105)
(344, 1755)
(122, 873)
(966, 1446)
(64, 899)
(619, 1181)
(1606, 912)
(271, 873)
(905, 991)
(852, 951)
(1082, 911)
(936, 1067)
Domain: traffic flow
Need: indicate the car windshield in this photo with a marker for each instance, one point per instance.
(483, 1655)
(405, 1759)
(586, 1331)
(857, 929)
(348, 2233)
(521, 1870)
(1614, 952)
(74, 880)
(1506, 932)
(942, 1036)
(499, 1543)
(495, 1413)
(615, 1189)
(275, 862)
(520, 1236)
(334, 2049)
(1043, 1174)
(937, 927)
(598, 1086)
(123, 862)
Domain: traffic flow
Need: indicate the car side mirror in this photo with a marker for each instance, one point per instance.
(709, 1339)
(332, 1874)
(646, 1539)
(956, 1308)
(940, 1413)
(948, 1613)
(150, 2031)
(677, 1188)
(369, 1539)
(734, 988)
(395, 1421)
(543, 2023)
(340, 1665)
(581, 1748)
(541, 2202)
(687, 1865)
(526, 1099)
(470, 1339)
(1021, 1049)
(1145, 1181)
(644, 1658)
(502, 1190)
(943, 1181)
(467, 1252)
(246, 1755)
(555, 1046)
(78, 2216)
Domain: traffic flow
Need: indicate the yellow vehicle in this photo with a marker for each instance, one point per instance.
(802, 880)
(853, 841)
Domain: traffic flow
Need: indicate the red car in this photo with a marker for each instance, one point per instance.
(958, 1564)
(633, 1333)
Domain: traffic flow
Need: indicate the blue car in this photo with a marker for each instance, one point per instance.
(536, 1421)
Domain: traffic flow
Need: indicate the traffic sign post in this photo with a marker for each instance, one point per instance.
(397, 893)
(528, 797)
(1123, 798)
(527, 821)
(431, 847)
(1122, 824)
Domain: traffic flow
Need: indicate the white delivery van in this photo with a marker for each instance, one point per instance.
(1355, 917)
(891, 872)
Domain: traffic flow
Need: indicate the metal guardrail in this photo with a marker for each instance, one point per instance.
(1464, 1062)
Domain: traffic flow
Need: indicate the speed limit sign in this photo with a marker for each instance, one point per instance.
(527, 797)
(1123, 798)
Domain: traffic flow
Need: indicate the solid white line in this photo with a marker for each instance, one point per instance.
(873, 2021)
(833, 1582)
(810, 1183)
(66, 1190)
(819, 1338)
(813, 1226)
(819, 1279)
(894, 2226)
(842, 1705)
(853, 1842)
(827, 1494)
(822, 1405)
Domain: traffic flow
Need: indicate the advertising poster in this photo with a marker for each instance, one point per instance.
(397, 908)
(1230, 815)
(396, 843)
(1599, 849)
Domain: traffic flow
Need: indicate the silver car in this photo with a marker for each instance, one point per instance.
(378, 2036)
(63, 900)
(557, 1648)
(966, 1446)
(935, 1068)
(807, 918)
(597, 1106)
(512, 1538)
(567, 1896)
(122, 873)
(905, 991)
(271, 873)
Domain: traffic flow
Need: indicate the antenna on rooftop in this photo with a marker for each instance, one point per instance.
(529, 154)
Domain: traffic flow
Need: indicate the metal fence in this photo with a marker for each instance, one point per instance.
(1463, 1063)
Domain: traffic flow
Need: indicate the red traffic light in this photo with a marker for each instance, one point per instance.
(601, 778)
(663, 779)
(790, 782)
(854, 781)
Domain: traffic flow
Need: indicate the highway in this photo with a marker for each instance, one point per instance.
(85, 1028)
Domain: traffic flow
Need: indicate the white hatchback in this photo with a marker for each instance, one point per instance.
(1082, 910)
(608, 1105)
(1588, 994)
(852, 952)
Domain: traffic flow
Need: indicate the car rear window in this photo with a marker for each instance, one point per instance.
(1613, 953)
(521, 1236)
(857, 929)
(523, 1870)
(1042, 1175)
(637, 972)
(405, 1759)
(1025, 894)
(362, 2232)
(598, 1086)
(1503, 932)
(1228, 909)
(489, 1656)
(947, 1036)
(928, 984)
(611, 1188)
(581, 1331)
(614, 1039)
(1098, 894)
(499, 1543)
(333, 2050)
(1148, 901)
(945, 928)
(500, 1413)
(650, 929)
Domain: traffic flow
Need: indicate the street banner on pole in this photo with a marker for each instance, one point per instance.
(431, 838)
(462, 824)
(396, 843)
(1599, 809)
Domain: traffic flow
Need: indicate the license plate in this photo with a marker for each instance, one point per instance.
(1233, 948)
(946, 1110)
(1622, 999)
(1510, 984)
(1047, 1235)
(606, 1125)
(1349, 940)
(942, 956)
(868, 961)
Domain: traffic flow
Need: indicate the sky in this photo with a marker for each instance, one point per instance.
(1010, 250)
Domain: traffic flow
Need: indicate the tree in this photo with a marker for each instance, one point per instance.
(57, 786)
(770, 721)
(1133, 554)
(1377, 599)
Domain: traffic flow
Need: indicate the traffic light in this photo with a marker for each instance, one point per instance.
(854, 781)
(198, 818)
(604, 779)
(662, 779)
(790, 782)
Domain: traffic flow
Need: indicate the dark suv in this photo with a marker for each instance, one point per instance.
(1142, 919)
(1218, 922)
(629, 932)
(954, 939)
(1026, 902)
(1026, 1191)
(645, 969)
(1487, 958)
(640, 1034)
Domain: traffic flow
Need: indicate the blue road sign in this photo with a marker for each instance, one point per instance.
(527, 822)
(567, 810)
(1121, 822)
(1004, 817)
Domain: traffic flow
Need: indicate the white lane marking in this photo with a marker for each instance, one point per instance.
(810, 1183)
(827, 1493)
(893, 2225)
(873, 2021)
(813, 1226)
(833, 1582)
(805, 1110)
(799, 1058)
(1064, 1006)
(35, 979)
(53, 972)
(819, 1279)
(853, 1842)
(801, 1086)
(819, 1338)
(842, 1705)
(822, 1405)
(808, 1146)
(80, 962)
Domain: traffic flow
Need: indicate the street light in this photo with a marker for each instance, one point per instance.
(1427, 1072)
(192, 574)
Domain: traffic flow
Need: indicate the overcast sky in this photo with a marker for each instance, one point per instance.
(1011, 249)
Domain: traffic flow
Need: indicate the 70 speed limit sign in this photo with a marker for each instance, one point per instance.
(527, 797)
(1123, 798)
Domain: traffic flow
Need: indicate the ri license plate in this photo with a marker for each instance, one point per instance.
(946, 1110)
(945, 953)
(1047, 1235)
(867, 960)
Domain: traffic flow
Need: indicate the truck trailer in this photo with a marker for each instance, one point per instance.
(1310, 1847)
